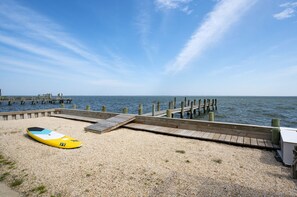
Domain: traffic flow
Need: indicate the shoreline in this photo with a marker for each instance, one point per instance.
(131, 163)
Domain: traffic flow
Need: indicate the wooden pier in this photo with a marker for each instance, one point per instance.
(192, 108)
(34, 100)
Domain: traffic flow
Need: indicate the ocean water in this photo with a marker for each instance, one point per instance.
(246, 110)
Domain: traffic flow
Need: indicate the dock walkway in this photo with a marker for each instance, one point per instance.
(217, 137)
(106, 125)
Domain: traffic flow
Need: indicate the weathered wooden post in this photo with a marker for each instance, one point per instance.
(158, 106)
(153, 110)
(212, 104)
(174, 103)
(216, 104)
(275, 123)
(208, 104)
(140, 109)
(211, 116)
(125, 110)
(103, 109)
(74, 106)
(204, 107)
(294, 166)
(192, 107)
(182, 110)
(185, 101)
(195, 102)
(168, 113)
(188, 103)
(88, 107)
(169, 105)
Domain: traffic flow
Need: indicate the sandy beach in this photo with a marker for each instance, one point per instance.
(125, 162)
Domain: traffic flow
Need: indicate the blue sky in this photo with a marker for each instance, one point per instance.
(148, 47)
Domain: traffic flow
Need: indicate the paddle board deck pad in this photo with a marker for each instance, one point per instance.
(52, 138)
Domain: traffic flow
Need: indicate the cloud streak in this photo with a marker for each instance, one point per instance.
(35, 36)
(288, 12)
(181, 5)
(216, 24)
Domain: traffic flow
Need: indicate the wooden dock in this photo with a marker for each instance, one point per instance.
(190, 107)
(34, 100)
(203, 135)
(110, 124)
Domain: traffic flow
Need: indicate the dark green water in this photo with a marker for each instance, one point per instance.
(247, 110)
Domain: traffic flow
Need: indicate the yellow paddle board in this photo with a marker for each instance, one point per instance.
(52, 138)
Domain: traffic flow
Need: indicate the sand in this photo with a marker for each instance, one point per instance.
(126, 162)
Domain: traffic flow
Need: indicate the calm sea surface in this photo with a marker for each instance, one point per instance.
(247, 110)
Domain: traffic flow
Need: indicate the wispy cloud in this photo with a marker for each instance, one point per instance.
(181, 5)
(216, 24)
(37, 36)
(288, 12)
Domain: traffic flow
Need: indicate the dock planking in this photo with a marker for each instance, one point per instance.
(217, 137)
(106, 125)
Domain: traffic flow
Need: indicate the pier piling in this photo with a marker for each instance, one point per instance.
(140, 109)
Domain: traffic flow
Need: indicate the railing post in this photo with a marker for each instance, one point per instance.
(140, 109)
(168, 113)
(125, 110)
(211, 116)
(182, 110)
(103, 108)
(153, 110)
(191, 112)
(158, 106)
(275, 123)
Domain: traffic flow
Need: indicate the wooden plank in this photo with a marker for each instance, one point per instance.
(222, 137)
(216, 136)
(268, 144)
(210, 136)
(103, 126)
(254, 142)
(189, 133)
(198, 134)
(247, 140)
(227, 138)
(205, 135)
(261, 143)
(233, 139)
(240, 140)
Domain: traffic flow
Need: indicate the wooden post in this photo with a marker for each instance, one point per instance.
(216, 104)
(212, 104)
(208, 104)
(211, 116)
(294, 166)
(191, 112)
(204, 107)
(103, 108)
(158, 106)
(168, 113)
(275, 131)
(182, 110)
(88, 107)
(174, 103)
(194, 102)
(74, 106)
(185, 101)
(153, 110)
(140, 109)
(125, 110)
(188, 103)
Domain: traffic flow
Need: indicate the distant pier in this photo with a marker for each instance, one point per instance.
(33, 100)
